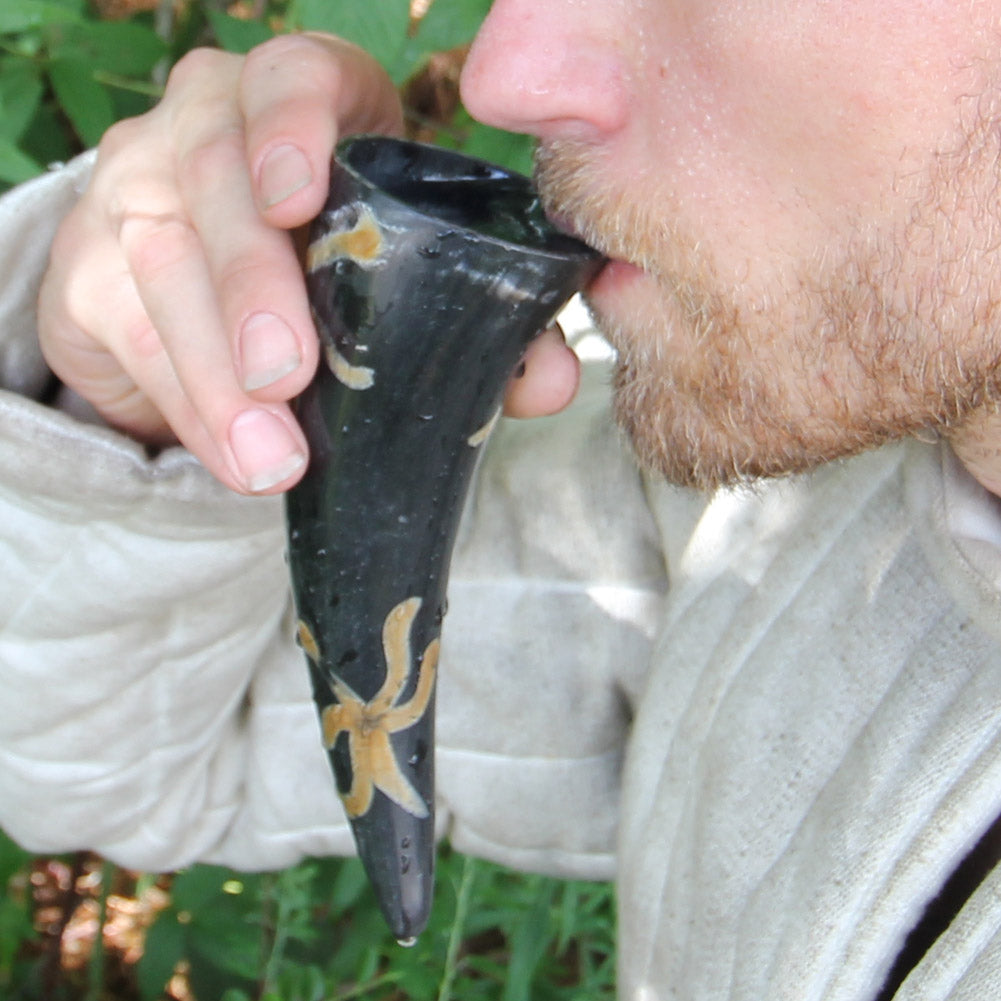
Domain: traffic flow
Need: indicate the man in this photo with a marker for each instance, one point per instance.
(801, 206)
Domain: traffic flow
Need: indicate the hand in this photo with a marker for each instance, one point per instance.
(174, 300)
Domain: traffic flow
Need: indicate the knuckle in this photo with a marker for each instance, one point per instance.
(74, 271)
(317, 62)
(241, 275)
(142, 340)
(194, 66)
(203, 164)
(280, 51)
(154, 246)
(122, 135)
(66, 241)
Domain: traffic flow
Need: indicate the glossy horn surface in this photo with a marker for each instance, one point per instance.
(428, 273)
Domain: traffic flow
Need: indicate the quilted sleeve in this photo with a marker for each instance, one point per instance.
(155, 707)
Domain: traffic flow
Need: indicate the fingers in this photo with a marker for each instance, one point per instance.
(547, 379)
(238, 265)
(175, 241)
(189, 369)
(174, 299)
(294, 119)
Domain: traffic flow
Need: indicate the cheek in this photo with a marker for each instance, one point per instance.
(778, 119)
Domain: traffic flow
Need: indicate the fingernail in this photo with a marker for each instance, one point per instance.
(285, 171)
(264, 449)
(268, 350)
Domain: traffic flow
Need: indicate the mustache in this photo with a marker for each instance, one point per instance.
(567, 176)
(632, 219)
(624, 218)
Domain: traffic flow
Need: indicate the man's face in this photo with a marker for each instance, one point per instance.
(804, 201)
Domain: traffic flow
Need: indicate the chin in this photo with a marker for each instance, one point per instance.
(707, 403)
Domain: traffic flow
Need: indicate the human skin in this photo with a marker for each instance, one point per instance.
(807, 196)
(174, 300)
(800, 198)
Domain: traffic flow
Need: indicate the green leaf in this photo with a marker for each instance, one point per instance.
(16, 166)
(348, 885)
(121, 47)
(529, 942)
(228, 938)
(85, 102)
(16, 928)
(20, 93)
(12, 858)
(235, 34)
(223, 928)
(567, 925)
(195, 887)
(508, 149)
(235, 994)
(380, 26)
(23, 15)
(164, 948)
(302, 982)
(47, 140)
(450, 23)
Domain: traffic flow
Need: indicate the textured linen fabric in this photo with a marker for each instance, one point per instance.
(155, 706)
(818, 743)
(806, 698)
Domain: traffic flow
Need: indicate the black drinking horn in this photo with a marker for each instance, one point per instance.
(428, 274)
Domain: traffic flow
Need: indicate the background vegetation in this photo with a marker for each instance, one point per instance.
(69, 68)
(76, 928)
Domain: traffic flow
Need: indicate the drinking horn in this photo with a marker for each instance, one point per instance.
(428, 273)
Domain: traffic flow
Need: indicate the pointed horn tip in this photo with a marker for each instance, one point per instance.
(397, 850)
(407, 921)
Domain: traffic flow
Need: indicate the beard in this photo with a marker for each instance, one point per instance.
(879, 330)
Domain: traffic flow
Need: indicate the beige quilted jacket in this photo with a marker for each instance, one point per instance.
(772, 716)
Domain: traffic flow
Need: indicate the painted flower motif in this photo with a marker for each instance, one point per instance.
(369, 724)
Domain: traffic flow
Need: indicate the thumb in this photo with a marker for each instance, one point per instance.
(546, 380)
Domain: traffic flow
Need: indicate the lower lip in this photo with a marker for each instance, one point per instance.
(612, 280)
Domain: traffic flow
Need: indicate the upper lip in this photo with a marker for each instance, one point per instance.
(565, 222)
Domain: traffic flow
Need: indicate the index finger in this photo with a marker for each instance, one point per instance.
(298, 94)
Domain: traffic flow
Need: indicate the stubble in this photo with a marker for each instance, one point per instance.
(883, 328)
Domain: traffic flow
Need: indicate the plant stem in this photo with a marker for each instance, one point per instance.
(458, 925)
(128, 83)
(360, 990)
(95, 967)
(163, 22)
(279, 936)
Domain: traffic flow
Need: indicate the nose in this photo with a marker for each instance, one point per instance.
(554, 69)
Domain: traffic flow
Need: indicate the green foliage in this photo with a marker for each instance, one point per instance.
(64, 78)
(16, 926)
(66, 74)
(314, 932)
(381, 27)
